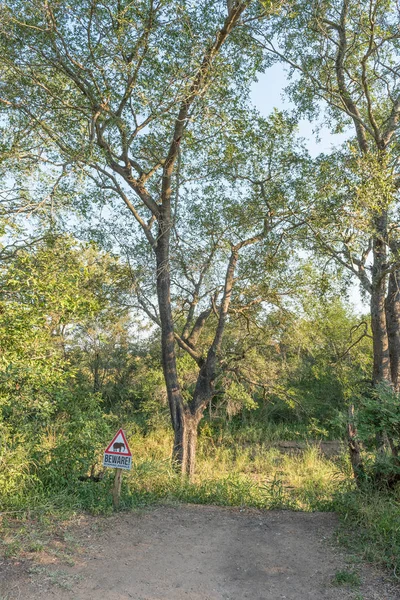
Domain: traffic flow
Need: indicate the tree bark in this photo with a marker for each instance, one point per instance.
(175, 399)
(393, 327)
(381, 367)
(190, 443)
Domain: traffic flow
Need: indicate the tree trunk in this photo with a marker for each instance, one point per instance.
(393, 327)
(190, 444)
(381, 368)
(175, 399)
(186, 441)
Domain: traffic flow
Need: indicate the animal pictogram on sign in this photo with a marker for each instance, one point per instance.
(118, 447)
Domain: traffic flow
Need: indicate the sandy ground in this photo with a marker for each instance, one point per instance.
(196, 553)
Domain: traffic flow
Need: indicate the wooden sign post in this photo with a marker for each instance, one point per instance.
(117, 488)
(118, 456)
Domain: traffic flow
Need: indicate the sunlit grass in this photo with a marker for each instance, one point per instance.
(258, 475)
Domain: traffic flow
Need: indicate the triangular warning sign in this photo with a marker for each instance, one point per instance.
(118, 445)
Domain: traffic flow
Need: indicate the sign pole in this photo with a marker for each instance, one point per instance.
(117, 487)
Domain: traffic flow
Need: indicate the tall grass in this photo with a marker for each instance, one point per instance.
(236, 474)
(229, 472)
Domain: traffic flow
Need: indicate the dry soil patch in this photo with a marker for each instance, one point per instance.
(197, 553)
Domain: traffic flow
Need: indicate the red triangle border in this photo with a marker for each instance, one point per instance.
(108, 451)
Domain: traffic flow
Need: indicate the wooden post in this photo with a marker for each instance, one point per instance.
(117, 488)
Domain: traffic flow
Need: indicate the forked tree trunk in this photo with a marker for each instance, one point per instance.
(185, 418)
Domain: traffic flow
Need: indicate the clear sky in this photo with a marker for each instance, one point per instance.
(267, 94)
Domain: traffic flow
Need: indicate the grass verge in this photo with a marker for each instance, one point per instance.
(370, 526)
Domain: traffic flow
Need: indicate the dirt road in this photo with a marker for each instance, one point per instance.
(199, 553)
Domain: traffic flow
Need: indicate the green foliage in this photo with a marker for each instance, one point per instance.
(75, 441)
(238, 398)
(308, 32)
(300, 366)
(379, 414)
(18, 479)
(72, 374)
(378, 430)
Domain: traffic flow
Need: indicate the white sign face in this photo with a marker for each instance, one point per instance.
(117, 454)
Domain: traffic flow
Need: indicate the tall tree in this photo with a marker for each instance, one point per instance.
(236, 197)
(118, 92)
(345, 53)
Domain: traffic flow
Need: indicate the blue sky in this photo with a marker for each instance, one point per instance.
(268, 93)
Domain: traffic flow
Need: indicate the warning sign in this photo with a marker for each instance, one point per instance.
(117, 454)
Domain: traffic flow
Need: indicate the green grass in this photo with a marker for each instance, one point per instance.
(236, 474)
(370, 526)
(346, 578)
